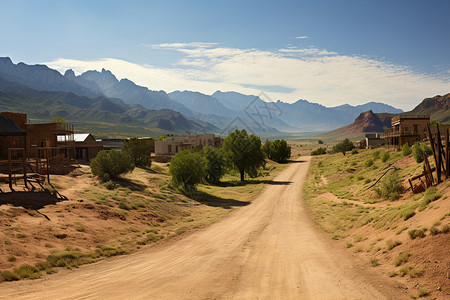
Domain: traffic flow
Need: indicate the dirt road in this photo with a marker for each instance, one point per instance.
(267, 250)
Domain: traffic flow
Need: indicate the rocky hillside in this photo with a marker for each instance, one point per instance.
(437, 107)
(368, 122)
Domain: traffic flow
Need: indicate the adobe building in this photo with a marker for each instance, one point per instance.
(86, 146)
(174, 144)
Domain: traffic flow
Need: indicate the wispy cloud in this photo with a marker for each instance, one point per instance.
(314, 74)
(302, 37)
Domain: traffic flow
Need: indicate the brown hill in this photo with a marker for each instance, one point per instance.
(368, 122)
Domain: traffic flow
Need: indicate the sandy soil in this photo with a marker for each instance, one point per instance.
(267, 250)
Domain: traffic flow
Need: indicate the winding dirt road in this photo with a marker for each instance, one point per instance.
(267, 250)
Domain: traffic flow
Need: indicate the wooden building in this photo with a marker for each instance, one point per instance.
(174, 144)
(407, 130)
(86, 146)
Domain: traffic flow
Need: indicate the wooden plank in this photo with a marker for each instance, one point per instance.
(439, 162)
(447, 152)
(432, 144)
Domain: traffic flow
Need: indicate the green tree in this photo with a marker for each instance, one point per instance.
(320, 142)
(138, 151)
(344, 146)
(58, 120)
(280, 151)
(215, 164)
(188, 169)
(267, 149)
(319, 151)
(244, 152)
(107, 165)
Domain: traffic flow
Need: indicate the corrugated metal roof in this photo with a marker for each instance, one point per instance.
(9, 128)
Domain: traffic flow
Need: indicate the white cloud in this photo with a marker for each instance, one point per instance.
(302, 37)
(317, 75)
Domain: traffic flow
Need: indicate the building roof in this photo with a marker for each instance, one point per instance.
(9, 128)
(77, 137)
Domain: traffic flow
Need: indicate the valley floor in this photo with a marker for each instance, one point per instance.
(269, 249)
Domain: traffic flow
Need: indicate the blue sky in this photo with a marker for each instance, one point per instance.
(330, 52)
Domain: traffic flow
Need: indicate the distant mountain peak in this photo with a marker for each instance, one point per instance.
(69, 74)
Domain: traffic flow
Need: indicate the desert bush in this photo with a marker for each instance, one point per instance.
(416, 233)
(430, 195)
(374, 262)
(390, 187)
(392, 244)
(354, 151)
(319, 151)
(376, 154)
(107, 165)
(418, 150)
(385, 156)
(401, 258)
(406, 150)
(368, 163)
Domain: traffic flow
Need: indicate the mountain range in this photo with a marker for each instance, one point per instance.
(101, 97)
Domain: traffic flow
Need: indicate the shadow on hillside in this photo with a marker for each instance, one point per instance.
(29, 200)
(215, 201)
(132, 185)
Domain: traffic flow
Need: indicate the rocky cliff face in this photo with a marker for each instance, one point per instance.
(368, 122)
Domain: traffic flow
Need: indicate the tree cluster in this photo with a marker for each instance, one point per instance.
(277, 150)
(108, 165)
(240, 151)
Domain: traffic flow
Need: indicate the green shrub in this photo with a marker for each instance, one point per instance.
(107, 165)
(368, 163)
(376, 154)
(418, 151)
(390, 187)
(430, 195)
(319, 151)
(385, 157)
(110, 185)
(406, 150)
(374, 262)
(434, 230)
(392, 244)
(416, 233)
(354, 151)
(401, 258)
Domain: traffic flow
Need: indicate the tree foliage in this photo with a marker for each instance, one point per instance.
(266, 148)
(244, 152)
(344, 146)
(107, 165)
(319, 151)
(58, 120)
(138, 151)
(188, 169)
(215, 167)
(280, 151)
